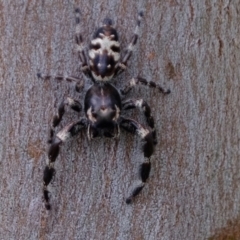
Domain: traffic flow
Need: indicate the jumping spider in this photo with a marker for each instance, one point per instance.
(103, 104)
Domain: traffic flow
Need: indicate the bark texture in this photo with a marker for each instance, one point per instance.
(191, 47)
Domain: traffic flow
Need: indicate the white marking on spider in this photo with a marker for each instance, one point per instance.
(139, 103)
(90, 116)
(70, 101)
(88, 133)
(51, 164)
(84, 68)
(117, 113)
(133, 82)
(104, 112)
(105, 45)
(100, 78)
(123, 66)
(78, 29)
(80, 48)
(131, 47)
(143, 132)
(118, 132)
(63, 135)
(91, 62)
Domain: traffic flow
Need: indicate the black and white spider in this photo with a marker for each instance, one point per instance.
(103, 104)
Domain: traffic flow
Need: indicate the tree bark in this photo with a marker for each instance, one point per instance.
(193, 189)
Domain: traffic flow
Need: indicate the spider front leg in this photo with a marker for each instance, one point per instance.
(73, 104)
(147, 136)
(65, 134)
(123, 63)
(140, 103)
(80, 47)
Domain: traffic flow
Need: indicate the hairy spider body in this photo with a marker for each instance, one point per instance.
(103, 103)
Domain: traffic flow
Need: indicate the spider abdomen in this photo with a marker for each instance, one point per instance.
(104, 52)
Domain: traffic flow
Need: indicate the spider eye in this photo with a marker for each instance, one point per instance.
(95, 47)
(115, 49)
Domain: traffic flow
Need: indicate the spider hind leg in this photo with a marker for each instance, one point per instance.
(147, 136)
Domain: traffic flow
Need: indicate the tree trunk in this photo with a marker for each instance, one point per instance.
(193, 189)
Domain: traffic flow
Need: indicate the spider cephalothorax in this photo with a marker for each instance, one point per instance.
(103, 103)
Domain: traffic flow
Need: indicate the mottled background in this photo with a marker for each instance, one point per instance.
(191, 47)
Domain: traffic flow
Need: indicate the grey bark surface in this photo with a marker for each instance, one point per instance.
(191, 47)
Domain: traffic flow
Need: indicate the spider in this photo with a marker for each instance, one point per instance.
(103, 103)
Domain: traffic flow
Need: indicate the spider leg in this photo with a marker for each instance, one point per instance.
(80, 47)
(79, 83)
(139, 80)
(133, 126)
(73, 104)
(123, 64)
(65, 134)
(142, 105)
